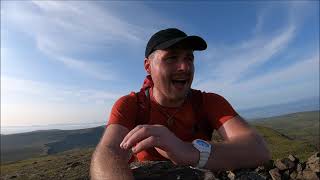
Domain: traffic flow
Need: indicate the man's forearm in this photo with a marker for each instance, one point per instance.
(243, 152)
(106, 163)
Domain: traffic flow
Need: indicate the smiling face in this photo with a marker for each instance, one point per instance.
(172, 73)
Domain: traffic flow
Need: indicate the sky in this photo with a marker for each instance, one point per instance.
(66, 62)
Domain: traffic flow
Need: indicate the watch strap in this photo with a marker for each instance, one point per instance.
(204, 156)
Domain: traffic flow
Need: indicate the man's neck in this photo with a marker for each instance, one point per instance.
(165, 101)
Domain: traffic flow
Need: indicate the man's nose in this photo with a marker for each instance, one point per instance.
(183, 65)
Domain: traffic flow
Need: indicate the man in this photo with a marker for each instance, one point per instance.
(173, 128)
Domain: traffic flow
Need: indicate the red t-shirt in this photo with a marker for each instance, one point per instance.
(217, 110)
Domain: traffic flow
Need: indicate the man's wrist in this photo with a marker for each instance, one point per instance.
(193, 155)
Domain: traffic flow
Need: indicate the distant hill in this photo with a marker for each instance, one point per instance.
(296, 133)
(302, 105)
(33, 144)
(303, 126)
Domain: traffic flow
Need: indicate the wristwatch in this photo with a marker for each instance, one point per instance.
(205, 149)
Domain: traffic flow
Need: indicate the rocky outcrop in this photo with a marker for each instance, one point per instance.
(280, 169)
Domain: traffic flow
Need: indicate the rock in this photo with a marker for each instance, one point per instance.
(275, 174)
(299, 175)
(300, 167)
(268, 165)
(284, 164)
(293, 158)
(313, 162)
(159, 170)
(231, 175)
(252, 176)
(293, 175)
(281, 169)
(209, 176)
(309, 174)
(260, 169)
(286, 175)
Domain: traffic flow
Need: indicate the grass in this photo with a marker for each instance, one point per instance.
(281, 146)
(72, 164)
(302, 126)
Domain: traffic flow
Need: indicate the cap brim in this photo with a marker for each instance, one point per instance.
(192, 42)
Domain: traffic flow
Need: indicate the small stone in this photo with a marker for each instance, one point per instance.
(293, 158)
(252, 176)
(259, 169)
(299, 175)
(314, 163)
(309, 174)
(208, 175)
(294, 175)
(231, 175)
(300, 167)
(286, 175)
(275, 174)
(35, 162)
(284, 164)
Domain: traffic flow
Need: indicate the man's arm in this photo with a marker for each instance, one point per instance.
(242, 147)
(109, 161)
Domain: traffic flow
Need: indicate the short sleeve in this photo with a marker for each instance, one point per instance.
(124, 111)
(218, 109)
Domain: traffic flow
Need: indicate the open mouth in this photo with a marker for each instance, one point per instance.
(180, 83)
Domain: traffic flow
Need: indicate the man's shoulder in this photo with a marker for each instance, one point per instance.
(207, 95)
(127, 99)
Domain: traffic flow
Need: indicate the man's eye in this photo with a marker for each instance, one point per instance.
(190, 59)
(171, 59)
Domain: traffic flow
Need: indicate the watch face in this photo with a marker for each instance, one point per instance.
(202, 143)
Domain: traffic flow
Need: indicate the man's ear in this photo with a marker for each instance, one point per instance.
(147, 65)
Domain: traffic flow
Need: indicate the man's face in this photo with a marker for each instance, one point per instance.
(172, 72)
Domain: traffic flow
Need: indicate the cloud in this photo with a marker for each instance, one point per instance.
(232, 63)
(41, 92)
(229, 73)
(62, 29)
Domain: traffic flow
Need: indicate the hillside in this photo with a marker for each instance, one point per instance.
(281, 145)
(303, 126)
(33, 144)
(73, 164)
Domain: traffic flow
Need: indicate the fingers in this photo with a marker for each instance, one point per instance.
(138, 134)
(152, 141)
(123, 143)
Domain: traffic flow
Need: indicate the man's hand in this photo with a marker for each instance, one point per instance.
(164, 141)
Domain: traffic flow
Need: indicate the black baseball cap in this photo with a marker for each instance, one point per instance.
(169, 37)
